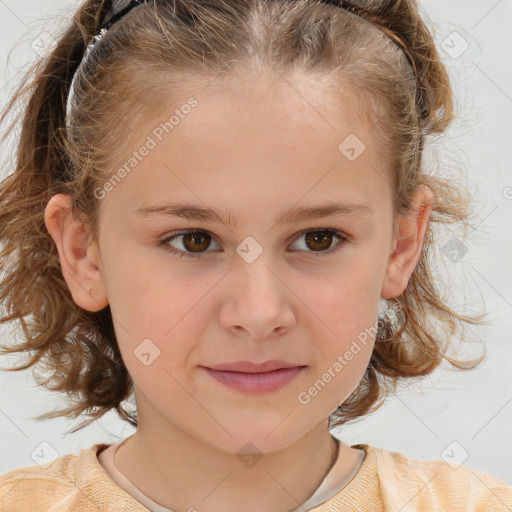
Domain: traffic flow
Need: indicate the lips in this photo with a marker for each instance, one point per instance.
(249, 367)
(255, 378)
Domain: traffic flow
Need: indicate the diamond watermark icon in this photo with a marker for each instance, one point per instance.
(147, 352)
(454, 249)
(43, 44)
(44, 455)
(455, 45)
(455, 454)
(249, 455)
(249, 250)
(352, 147)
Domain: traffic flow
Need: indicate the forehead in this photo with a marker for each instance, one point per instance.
(248, 101)
(262, 135)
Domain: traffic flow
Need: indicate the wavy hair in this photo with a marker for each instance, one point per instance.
(383, 49)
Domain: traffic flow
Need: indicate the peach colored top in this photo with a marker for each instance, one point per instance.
(386, 481)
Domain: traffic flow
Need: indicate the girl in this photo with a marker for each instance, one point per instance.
(210, 203)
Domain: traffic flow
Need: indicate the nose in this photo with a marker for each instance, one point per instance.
(258, 302)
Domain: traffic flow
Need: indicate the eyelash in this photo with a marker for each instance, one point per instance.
(344, 238)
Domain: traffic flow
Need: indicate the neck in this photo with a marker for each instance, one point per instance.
(183, 473)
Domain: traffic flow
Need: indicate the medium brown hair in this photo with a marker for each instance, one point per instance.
(383, 50)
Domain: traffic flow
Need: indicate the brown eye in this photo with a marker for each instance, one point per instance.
(319, 240)
(193, 243)
(196, 240)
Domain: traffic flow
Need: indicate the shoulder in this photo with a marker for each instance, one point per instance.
(20, 486)
(439, 484)
(71, 482)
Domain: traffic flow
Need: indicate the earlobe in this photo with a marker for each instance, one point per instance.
(78, 261)
(408, 244)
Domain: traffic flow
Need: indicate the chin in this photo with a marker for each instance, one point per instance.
(265, 433)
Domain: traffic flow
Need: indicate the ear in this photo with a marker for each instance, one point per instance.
(408, 245)
(76, 253)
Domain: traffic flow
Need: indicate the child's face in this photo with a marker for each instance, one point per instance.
(258, 151)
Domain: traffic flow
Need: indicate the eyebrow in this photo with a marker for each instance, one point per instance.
(193, 212)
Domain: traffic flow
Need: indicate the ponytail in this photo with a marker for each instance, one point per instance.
(33, 290)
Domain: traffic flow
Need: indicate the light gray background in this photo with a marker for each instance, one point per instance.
(465, 417)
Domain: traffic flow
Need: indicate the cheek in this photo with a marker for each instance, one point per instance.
(150, 297)
(342, 304)
(155, 318)
(346, 306)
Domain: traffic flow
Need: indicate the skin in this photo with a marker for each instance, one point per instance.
(257, 149)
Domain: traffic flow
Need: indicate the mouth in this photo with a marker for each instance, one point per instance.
(255, 378)
(249, 367)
